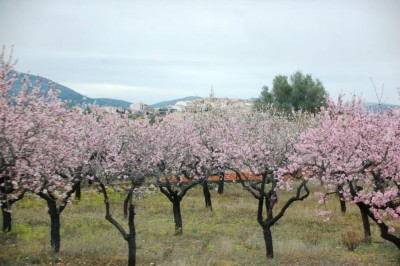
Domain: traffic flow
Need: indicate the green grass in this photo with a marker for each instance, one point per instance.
(228, 235)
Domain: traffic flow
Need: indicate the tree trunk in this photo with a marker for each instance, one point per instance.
(6, 218)
(132, 237)
(364, 209)
(221, 182)
(207, 194)
(132, 251)
(366, 225)
(339, 192)
(343, 206)
(389, 237)
(177, 217)
(268, 241)
(55, 226)
(78, 191)
(342, 200)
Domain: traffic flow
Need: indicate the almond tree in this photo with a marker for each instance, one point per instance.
(40, 139)
(209, 130)
(359, 152)
(59, 156)
(121, 151)
(175, 142)
(39, 152)
(258, 144)
(10, 192)
(22, 126)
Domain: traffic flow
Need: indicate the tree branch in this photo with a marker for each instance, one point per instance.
(108, 214)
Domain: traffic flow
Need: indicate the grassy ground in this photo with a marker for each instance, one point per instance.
(228, 235)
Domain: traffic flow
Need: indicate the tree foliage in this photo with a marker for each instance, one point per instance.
(300, 92)
(350, 150)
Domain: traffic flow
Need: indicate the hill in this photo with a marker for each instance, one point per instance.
(112, 102)
(172, 102)
(66, 93)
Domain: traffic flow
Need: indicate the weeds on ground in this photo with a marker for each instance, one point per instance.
(351, 240)
(228, 235)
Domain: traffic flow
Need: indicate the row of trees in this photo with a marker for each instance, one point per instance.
(49, 149)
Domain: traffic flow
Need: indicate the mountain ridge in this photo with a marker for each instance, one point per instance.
(66, 94)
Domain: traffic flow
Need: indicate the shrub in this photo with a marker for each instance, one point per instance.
(351, 240)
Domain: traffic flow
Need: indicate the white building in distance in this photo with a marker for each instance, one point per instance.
(139, 107)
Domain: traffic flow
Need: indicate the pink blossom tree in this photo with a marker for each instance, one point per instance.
(177, 163)
(122, 150)
(60, 171)
(209, 128)
(39, 152)
(10, 192)
(357, 151)
(258, 144)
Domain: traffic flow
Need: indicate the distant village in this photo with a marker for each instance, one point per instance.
(191, 106)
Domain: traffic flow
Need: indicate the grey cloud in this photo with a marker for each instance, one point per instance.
(186, 46)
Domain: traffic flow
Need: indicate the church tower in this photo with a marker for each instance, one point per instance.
(212, 95)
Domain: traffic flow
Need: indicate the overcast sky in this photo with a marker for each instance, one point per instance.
(159, 50)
